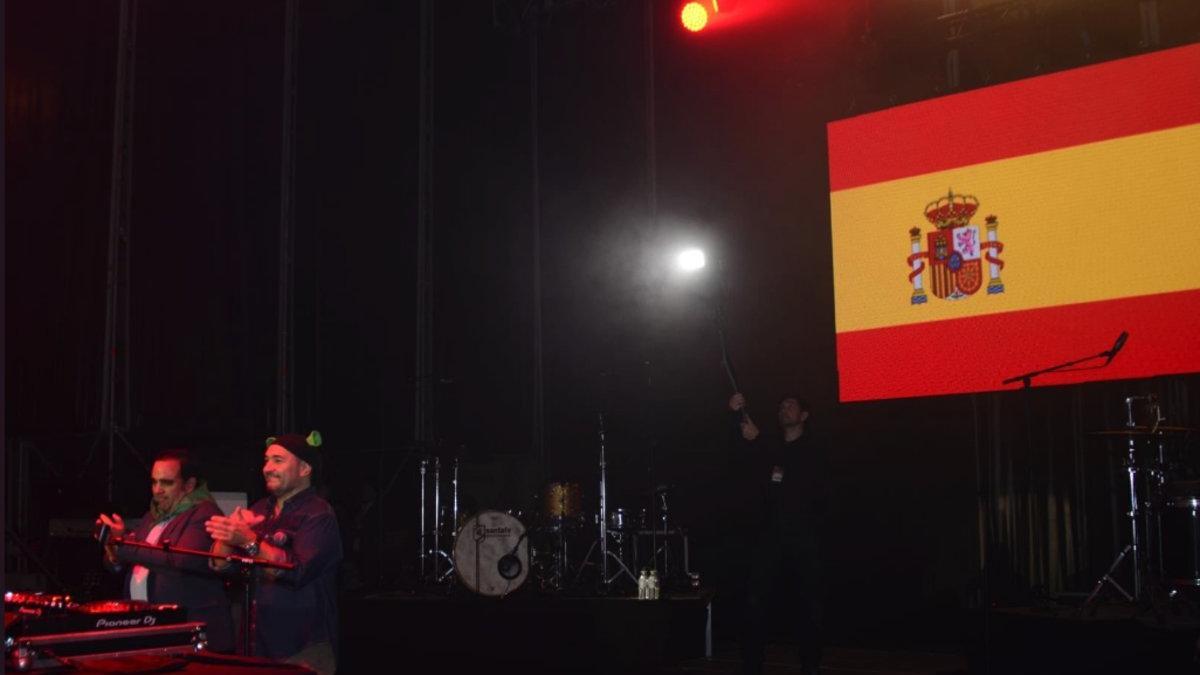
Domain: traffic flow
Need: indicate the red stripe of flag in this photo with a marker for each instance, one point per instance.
(977, 353)
(1135, 95)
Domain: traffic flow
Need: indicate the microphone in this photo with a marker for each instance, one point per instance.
(1112, 353)
(279, 538)
(102, 534)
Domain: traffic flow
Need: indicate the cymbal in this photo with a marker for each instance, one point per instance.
(1141, 431)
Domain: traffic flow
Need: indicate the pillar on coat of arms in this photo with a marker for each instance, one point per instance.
(994, 283)
(918, 294)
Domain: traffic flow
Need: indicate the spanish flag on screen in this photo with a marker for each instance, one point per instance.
(991, 233)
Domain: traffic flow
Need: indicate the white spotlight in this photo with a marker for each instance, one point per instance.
(691, 260)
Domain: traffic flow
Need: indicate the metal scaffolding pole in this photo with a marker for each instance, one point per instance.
(651, 129)
(285, 411)
(114, 416)
(423, 432)
(539, 405)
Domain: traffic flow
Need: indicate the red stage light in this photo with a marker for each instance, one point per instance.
(694, 16)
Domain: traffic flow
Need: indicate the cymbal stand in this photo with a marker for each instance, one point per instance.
(1134, 514)
(605, 579)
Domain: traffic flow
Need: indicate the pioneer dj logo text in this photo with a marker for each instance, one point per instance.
(147, 620)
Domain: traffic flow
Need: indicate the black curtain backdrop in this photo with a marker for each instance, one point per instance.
(741, 169)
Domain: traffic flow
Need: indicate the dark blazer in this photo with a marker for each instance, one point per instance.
(183, 579)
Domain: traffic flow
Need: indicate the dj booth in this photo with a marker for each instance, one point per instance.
(47, 632)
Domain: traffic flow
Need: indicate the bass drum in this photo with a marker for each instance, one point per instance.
(491, 554)
(1181, 535)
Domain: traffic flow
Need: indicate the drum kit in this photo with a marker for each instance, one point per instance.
(1164, 507)
(494, 552)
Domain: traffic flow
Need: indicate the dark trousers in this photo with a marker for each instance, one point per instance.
(784, 573)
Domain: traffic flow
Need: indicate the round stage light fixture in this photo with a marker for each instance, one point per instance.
(694, 16)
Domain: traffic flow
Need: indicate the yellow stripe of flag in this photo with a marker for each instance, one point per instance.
(1112, 219)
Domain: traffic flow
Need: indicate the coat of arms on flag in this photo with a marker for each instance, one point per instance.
(955, 252)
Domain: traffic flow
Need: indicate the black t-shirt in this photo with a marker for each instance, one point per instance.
(788, 482)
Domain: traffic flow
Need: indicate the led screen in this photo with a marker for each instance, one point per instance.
(994, 232)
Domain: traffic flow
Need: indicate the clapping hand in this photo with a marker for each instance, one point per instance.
(235, 529)
(115, 525)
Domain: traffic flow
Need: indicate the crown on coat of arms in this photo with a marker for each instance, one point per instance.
(951, 211)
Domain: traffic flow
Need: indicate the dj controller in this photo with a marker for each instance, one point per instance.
(51, 631)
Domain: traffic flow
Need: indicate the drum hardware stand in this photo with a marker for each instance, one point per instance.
(454, 499)
(1134, 514)
(1107, 579)
(1158, 482)
(431, 553)
(437, 517)
(605, 579)
(558, 581)
(562, 564)
(603, 505)
(661, 494)
(651, 529)
(479, 537)
(454, 523)
(422, 553)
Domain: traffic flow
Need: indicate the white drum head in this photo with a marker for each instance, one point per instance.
(491, 553)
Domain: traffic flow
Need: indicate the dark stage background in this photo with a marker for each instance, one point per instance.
(740, 167)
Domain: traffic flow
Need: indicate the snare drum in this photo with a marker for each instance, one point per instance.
(563, 501)
(491, 554)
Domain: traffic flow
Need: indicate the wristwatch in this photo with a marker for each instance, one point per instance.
(252, 548)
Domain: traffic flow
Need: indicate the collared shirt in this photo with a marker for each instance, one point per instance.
(140, 573)
(298, 608)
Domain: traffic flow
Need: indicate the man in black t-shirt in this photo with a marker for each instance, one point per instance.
(790, 478)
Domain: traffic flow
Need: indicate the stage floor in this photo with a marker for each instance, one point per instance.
(781, 660)
(526, 632)
(554, 634)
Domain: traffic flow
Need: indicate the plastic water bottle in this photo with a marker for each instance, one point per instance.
(652, 585)
(643, 586)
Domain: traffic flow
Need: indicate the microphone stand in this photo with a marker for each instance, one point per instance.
(247, 566)
(1026, 379)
